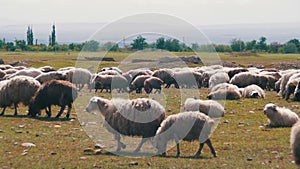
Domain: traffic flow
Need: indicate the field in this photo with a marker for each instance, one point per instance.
(241, 140)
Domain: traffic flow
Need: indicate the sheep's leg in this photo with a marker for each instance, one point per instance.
(16, 109)
(120, 144)
(48, 111)
(2, 113)
(140, 145)
(69, 110)
(178, 148)
(199, 150)
(212, 150)
(61, 111)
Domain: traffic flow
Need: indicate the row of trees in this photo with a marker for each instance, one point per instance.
(140, 43)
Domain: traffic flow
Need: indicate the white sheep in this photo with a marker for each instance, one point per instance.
(49, 76)
(19, 89)
(2, 74)
(280, 116)
(218, 78)
(209, 107)
(187, 126)
(139, 117)
(224, 91)
(295, 142)
(253, 91)
(78, 76)
(30, 72)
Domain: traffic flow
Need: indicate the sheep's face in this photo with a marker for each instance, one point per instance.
(254, 94)
(159, 144)
(93, 105)
(270, 108)
(33, 110)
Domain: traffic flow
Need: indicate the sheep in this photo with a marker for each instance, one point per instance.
(209, 107)
(291, 87)
(223, 86)
(297, 92)
(279, 116)
(10, 71)
(233, 71)
(153, 83)
(46, 69)
(109, 72)
(2, 74)
(50, 76)
(127, 117)
(109, 83)
(166, 75)
(31, 72)
(295, 142)
(138, 83)
(5, 67)
(187, 79)
(187, 126)
(53, 92)
(222, 94)
(78, 76)
(284, 80)
(220, 77)
(17, 90)
(253, 91)
(112, 68)
(66, 68)
(132, 74)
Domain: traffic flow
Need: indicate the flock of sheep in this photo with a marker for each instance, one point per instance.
(40, 88)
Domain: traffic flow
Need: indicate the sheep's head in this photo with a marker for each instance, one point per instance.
(97, 104)
(270, 108)
(33, 110)
(254, 94)
(159, 144)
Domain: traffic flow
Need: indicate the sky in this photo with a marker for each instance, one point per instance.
(197, 12)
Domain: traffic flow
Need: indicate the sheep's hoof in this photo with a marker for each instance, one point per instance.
(215, 155)
(123, 145)
(164, 154)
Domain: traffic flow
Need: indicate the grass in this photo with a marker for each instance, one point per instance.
(240, 139)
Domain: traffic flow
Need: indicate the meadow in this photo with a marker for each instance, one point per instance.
(241, 139)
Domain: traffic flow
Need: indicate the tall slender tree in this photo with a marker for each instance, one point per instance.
(29, 36)
(52, 36)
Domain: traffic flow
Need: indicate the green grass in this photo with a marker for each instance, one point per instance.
(61, 143)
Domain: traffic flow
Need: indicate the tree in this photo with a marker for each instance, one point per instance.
(21, 44)
(110, 46)
(251, 46)
(52, 37)
(296, 42)
(290, 48)
(172, 45)
(9, 46)
(262, 45)
(139, 43)
(274, 47)
(91, 46)
(160, 43)
(195, 46)
(29, 36)
(237, 45)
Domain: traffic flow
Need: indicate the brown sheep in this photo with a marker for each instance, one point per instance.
(53, 92)
(138, 83)
(153, 83)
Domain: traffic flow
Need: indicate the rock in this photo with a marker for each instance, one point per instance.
(19, 131)
(98, 151)
(82, 158)
(21, 126)
(53, 153)
(251, 112)
(99, 146)
(57, 126)
(1, 131)
(16, 143)
(169, 110)
(24, 154)
(226, 121)
(133, 163)
(249, 159)
(28, 145)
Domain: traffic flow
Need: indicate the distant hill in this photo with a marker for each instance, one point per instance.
(218, 34)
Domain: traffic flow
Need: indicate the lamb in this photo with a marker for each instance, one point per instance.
(209, 107)
(128, 118)
(50, 76)
(220, 77)
(279, 116)
(17, 90)
(295, 142)
(153, 83)
(78, 76)
(53, 92)
(166, 75)
(138, 83)
(187, 126)
(253, 91)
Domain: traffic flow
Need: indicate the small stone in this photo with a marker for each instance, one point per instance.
(274, 152)
(82, 158)
(88, 150)
(169, 110)
(24, 154)
(241, 123)
(37, 135)
(57, 126)
(251, 112)
(21, 126)
(249, 159)
(133, 163)
(148, 164)
(226, 121)
(1, 131)
(16, 143)
(53, 153)
(72, 120)
(28, 145)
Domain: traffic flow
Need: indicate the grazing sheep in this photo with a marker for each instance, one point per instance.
(9, 72)
(109, 83)
(138, 83)
(233, 71)
(153, 83)
(54, 92)
(291, 87)
(220, 77)
(297, 92)
(46, 69)
(31, 72)
(253, 91)
(50, 76)
(78, 76)
(209, 107)
(166, 75)
(222, 94)
(187, 79)
(17, 90)
(132, 74)
(280, 116)
(187, 126)
(223, 86)
(295, 142)
(2, 74)
(109, 72)
(140, 117)
(245, 79)
(284, 80)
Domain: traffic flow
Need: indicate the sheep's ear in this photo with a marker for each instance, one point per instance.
(105, 105)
